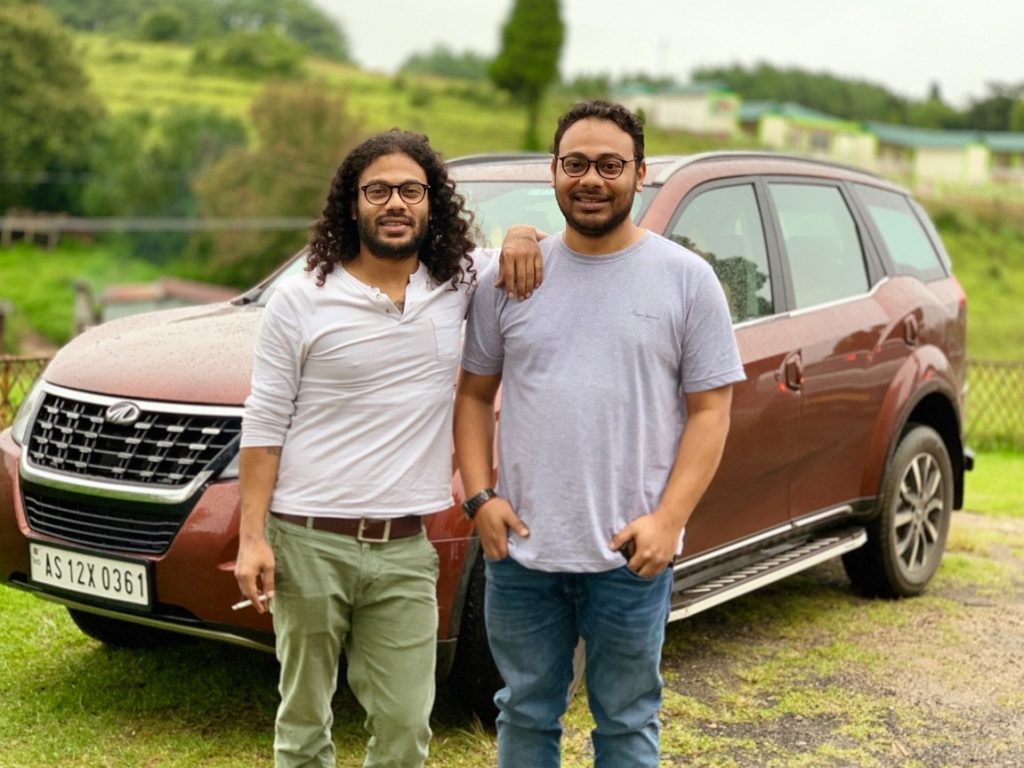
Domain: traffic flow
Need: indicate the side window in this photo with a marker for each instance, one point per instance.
(826, 260)
(724, 226)
(905, 239)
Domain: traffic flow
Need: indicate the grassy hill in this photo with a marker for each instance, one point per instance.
(461, 118)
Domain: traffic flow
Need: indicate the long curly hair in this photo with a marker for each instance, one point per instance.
(446, 251)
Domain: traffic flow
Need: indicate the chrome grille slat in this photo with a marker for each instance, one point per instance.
(127, 529)
(120, 487)
(165, 449)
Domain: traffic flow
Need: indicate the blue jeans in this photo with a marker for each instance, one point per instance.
(533, 622)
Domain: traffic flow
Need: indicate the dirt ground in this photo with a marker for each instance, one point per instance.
(806, 673)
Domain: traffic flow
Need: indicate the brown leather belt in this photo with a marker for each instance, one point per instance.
(363, 529)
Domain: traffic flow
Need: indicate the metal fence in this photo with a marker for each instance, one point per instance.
(995, 402)
(995, 405)
(16, 376)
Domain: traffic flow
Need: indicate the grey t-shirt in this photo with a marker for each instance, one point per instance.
(595, 367)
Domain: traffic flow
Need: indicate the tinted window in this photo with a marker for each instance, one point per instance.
(905, 239)
(826, 261)
(724, 226)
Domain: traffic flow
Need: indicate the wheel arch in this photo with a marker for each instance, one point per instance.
(924, 391)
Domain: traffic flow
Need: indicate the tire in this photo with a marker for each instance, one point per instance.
(119, 633)
(474, 678)
(907, 538)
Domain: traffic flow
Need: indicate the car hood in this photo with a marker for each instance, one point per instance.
(192, 355)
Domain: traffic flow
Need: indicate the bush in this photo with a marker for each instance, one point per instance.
(161, 25)
(303, 131)
(260, 54)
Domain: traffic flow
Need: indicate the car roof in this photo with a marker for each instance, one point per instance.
(521, 166)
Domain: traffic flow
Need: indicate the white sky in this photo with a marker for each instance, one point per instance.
(901, 44)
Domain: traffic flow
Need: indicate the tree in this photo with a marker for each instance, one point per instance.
(1017, 116)
(49, 114)
(149, 167)
(531, 43)
(933, 113)
(300, 20)
(836, 96)
(995, 111)
(162, 24)
(444, 62)
(303, 132)
(257, 54)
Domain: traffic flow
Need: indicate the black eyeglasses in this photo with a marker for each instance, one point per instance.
(608, 166)
(378, 193)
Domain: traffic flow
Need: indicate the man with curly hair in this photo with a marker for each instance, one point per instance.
(346, 442)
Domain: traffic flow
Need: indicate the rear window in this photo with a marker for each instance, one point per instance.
(826, 261)
(910, 250)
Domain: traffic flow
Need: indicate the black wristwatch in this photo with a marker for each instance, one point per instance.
(470, 506)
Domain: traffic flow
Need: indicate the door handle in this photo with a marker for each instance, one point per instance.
(910, 330)
(791, 373)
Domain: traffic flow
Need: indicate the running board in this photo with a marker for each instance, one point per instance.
(771, 565)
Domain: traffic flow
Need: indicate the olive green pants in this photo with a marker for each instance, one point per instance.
(379, 603)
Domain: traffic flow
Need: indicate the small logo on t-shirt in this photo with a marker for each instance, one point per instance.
(644, 316)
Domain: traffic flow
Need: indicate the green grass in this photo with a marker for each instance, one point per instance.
(39, 283)
(783, 661)
(460, 118)
(988, 258)
(996, 486)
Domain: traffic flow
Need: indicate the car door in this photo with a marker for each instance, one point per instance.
(723, 223)
(846, 345)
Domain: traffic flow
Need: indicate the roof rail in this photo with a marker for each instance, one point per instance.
(496, 157)
(679, 161)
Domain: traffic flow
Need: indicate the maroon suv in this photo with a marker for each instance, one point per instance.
(118, 479)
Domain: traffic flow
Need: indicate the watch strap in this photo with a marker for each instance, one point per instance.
(471, 505)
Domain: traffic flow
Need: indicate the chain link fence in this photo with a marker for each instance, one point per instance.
(995, 405)
(16, 377)
(995, 402)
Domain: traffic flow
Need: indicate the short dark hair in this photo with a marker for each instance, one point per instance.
(602, 110)
(335, 237)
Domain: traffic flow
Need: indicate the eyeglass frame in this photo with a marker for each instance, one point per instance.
(392, 188)
(561, 162)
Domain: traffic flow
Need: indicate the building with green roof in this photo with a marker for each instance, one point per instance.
(706, 109)
(795, 128)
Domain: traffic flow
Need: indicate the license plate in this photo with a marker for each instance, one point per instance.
(108, 578)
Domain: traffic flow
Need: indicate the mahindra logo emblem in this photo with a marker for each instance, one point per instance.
(123, 412)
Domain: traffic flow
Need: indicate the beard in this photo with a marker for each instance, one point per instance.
(590, 226)
(386, 248)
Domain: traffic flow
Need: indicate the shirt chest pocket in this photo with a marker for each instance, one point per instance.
(448, 338)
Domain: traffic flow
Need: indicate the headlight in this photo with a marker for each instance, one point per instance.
(23, 418)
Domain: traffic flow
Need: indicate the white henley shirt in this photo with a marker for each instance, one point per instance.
(358, 395)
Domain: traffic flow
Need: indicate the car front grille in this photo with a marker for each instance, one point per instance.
(167, 446)
(103, 524)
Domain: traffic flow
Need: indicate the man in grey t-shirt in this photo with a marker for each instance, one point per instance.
(617, 386)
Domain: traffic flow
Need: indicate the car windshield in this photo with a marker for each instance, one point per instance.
(496, 206)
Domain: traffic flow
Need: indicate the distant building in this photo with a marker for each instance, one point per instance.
(795, 128)
(930, 155)
(123, 299)
(120, 300)
(706, 109)
(1007, 151)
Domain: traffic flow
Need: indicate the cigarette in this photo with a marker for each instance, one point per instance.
(246, 603)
